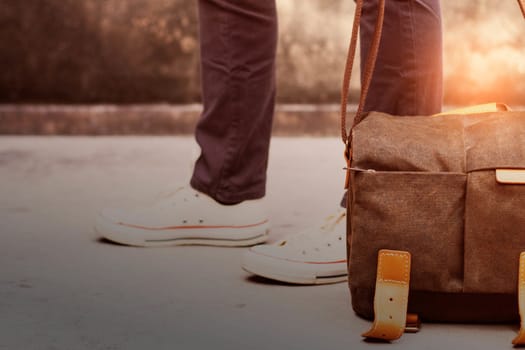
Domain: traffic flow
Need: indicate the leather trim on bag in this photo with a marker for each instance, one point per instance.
(520, 338)
(391, 296)
(510, 176)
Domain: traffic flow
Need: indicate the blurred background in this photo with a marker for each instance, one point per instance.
(146, 52)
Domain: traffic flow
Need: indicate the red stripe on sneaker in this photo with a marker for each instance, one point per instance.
(327, 262)
(302, 262)
(190, 227)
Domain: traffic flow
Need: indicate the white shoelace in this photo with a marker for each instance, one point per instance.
(313, 235)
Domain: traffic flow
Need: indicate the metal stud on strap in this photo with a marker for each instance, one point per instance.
(413, 323)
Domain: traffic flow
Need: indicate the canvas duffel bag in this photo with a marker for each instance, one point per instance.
(436, 212)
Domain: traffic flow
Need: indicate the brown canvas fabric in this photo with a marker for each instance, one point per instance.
(448, 307)
(428, 186)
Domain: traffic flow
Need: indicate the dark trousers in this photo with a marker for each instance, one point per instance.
(238, 46)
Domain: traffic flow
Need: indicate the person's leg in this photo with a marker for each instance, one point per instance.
(407, 81)
(408, 75)
(238, 48)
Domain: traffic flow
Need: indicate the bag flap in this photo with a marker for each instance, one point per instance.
(446, 143)
(398, 143)
(495, 141)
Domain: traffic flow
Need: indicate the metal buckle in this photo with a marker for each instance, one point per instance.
(413, 323)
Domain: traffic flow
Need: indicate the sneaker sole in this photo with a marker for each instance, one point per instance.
(294, 272)
(221, 236)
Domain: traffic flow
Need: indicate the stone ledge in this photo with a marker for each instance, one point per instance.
(157, 119)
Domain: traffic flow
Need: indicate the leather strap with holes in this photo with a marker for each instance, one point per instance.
(391, 295)
(520, 339)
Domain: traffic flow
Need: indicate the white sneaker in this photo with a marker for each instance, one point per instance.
(186, 216)
(313, 257)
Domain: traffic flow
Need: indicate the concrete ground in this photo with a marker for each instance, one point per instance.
(61, 287)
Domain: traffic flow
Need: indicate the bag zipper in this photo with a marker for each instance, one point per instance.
(361, 170)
